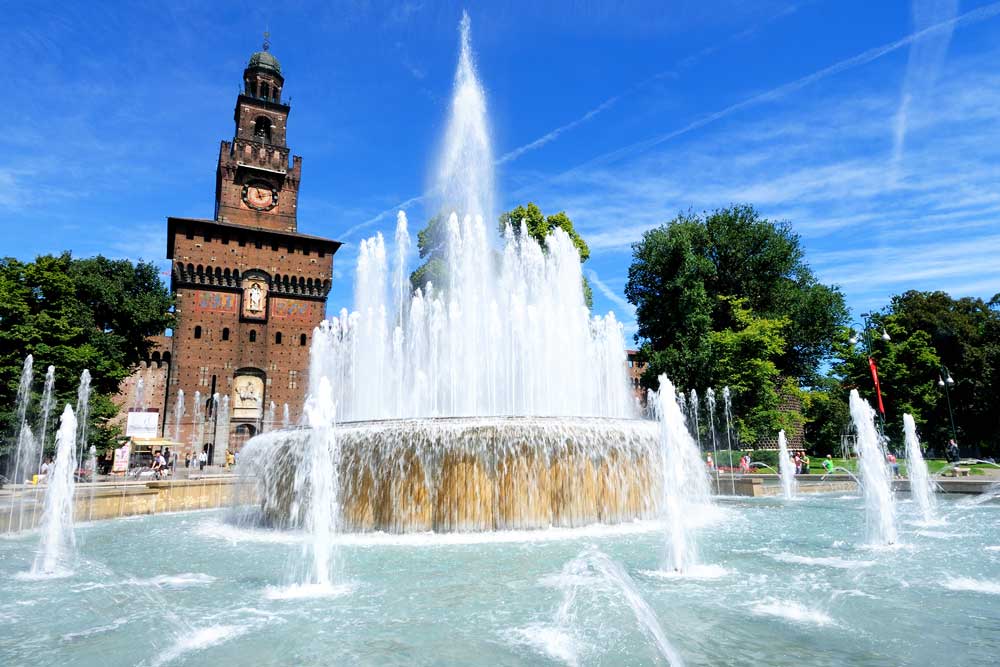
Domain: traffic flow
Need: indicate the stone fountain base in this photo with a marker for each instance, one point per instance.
(473, 474)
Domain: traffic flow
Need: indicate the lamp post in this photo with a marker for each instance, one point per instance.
(866, 329)
(946, 381)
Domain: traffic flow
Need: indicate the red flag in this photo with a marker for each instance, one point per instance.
(878, 390)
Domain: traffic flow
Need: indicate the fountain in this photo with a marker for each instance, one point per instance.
(787, 473)
(921, 486)
(268, 425)
(57, 519)
(876, 478)
(140, 390)
(494, 401)
(684, 483)
(197, 424)
(178, 414)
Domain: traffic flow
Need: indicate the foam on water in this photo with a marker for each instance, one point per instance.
(175, 580)
(824, 561)
(198, 640)
(972, 585)
(793, 611)
(307, 591)
(693, 572)
(549, 640)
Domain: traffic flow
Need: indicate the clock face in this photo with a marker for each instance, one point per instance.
(260, 196)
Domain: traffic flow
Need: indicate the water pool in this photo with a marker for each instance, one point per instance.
(783, 583)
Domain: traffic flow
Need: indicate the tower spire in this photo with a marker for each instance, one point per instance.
(267, 39)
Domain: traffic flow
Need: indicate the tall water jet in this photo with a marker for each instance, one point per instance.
(464, 178)
(786, 470)
(57, 520)
(48, 401)
(710, 402)
(921, 486)
(178, 414)
(138, 403)
(286, 420)
(197, 424)
(269, 418)
(876, 478)
(685, 483)
(220, 441)
(695, 422)
(24, 454)
(317, 485)
(83, 413)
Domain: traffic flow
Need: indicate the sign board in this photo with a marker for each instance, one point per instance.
(121, 459)
(142, 424)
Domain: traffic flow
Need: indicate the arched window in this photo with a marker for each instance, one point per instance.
(262, 128)
(225, 333)
(265, 91)
(197, 332)
(302, 339)
(253, 336)
(277, 338)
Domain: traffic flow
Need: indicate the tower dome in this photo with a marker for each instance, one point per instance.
(264, 60)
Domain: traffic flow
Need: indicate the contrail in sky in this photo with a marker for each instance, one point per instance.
(974, 16)
(969, 18)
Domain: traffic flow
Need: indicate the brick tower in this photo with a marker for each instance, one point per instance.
(249, 288)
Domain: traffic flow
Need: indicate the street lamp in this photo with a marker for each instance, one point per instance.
(867, 329)
(946, 381)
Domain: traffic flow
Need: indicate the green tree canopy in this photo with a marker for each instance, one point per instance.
(930, 332)
(698, 277)
(77, 314)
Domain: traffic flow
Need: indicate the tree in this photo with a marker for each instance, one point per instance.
(77, 314)
(700, 276)
(931, 331)
(432, 243)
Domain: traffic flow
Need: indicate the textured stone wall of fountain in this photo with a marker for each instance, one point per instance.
(474, 474)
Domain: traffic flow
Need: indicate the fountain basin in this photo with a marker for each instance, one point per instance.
(471, 473)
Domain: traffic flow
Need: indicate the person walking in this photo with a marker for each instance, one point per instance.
(202, 459)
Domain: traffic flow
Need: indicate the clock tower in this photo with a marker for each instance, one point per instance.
(249, 288)
(254, 185)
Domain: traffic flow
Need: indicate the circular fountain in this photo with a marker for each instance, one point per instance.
(493, 401)
(473, 473)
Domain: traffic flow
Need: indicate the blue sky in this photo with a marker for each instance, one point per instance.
(874, 127)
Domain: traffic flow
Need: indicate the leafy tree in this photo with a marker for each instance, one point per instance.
(76, 314)
(432, 243)
(743, 358)
(931, 331)
(729, 272)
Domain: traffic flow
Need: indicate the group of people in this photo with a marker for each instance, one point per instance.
(800, 460)
(201, 460)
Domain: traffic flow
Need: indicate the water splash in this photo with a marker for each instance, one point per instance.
(464, 179)
(921, 487)
(58, 537)
(593, 570)
(178, 415)
(685, 483)
(197, 434)
(139, 403)
(785, 468)
(880, 505)
(19, 469)
(269, 418)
